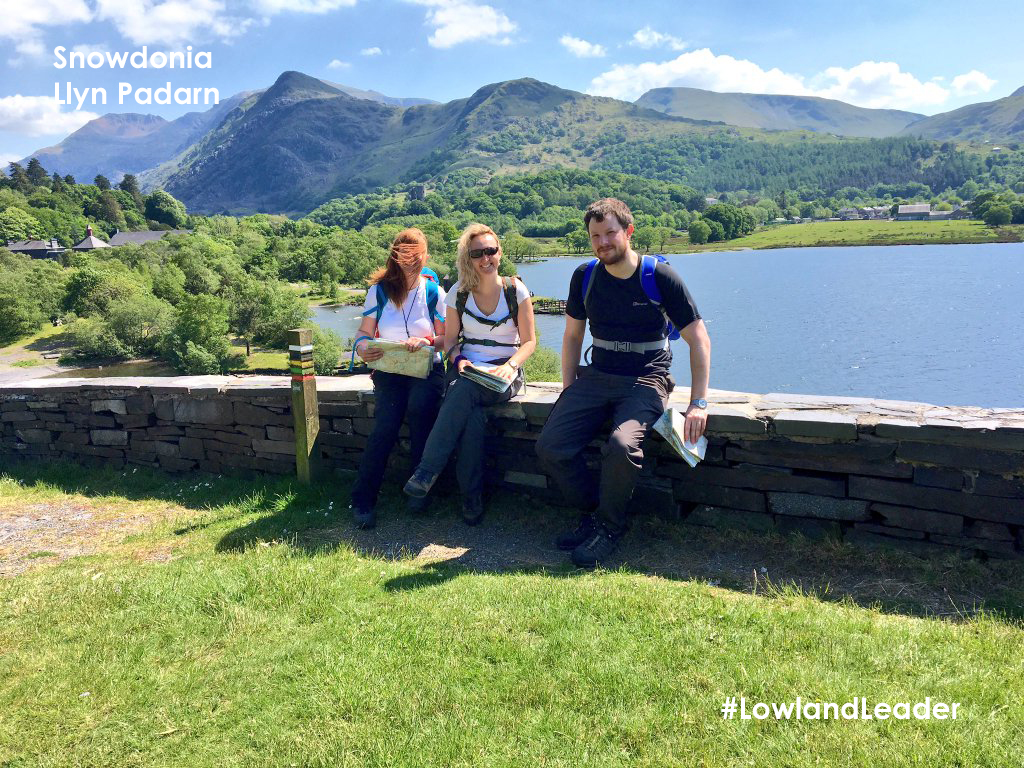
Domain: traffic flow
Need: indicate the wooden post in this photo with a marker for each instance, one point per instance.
(305, 411)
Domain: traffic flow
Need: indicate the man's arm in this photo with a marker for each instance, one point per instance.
(696, 336)
(572, 345)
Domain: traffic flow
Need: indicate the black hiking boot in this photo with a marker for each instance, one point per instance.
(596, 549)
(364, 517)
(472, 510)
(420, 483)
(567, 541)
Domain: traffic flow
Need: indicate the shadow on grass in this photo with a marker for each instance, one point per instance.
(517, 536)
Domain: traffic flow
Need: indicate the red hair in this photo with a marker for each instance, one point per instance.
(408, 249)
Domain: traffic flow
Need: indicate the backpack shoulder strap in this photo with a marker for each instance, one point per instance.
(432, 296)
(511, 298)
(460, 303)
(648, 264)
(382, 300)
(588, 280)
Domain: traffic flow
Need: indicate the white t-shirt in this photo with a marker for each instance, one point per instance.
(507, 334)
(411, 319)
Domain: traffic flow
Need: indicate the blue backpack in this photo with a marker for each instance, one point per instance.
(648, 262)
(432, 296)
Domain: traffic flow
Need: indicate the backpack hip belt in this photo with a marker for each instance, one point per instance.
(631, 346)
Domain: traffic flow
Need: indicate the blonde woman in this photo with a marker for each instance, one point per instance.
(401, 305)
(489, 319)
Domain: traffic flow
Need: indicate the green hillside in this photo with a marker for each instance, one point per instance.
(1001, 120)
(778, 112)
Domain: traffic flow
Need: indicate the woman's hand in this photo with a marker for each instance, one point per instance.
(461, 365)
(416, 342)
(505, 371)
(367, 354)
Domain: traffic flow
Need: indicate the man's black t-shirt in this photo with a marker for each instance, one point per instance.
(621, 311)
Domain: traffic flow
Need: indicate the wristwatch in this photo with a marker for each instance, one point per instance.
(512, 364)
(700, 402)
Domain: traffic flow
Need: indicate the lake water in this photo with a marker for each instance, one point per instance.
(939, 324)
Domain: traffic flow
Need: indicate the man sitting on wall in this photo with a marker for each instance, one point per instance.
(628, 378)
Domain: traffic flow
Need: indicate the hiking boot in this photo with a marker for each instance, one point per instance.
(597, 548)
(420, 483)
(569, 540)
(417, 505)
(364, 517)
(472, 509)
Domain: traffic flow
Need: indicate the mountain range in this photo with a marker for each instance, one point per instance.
(779, 113)
(290, 147)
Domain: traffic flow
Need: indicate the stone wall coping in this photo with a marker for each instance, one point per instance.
(894, 418)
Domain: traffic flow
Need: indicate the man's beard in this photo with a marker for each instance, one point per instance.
(611, 256)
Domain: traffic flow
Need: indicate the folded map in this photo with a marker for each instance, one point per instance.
(671, 427)
(481, 374)
(398, 359)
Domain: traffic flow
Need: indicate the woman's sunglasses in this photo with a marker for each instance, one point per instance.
(477, 253)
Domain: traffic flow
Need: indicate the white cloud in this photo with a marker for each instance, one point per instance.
(171, 22)
(581, 48)
(650, 38)
(375, 51)
(271, 7)
(6, 159)
(338, 64)
(23, 20)
(463, 21)
(878, 85)
(874, 84)
(698, 69)
(39, 116)
(972, 83)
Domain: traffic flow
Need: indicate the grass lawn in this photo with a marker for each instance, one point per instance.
(160, 620)
(826, 233)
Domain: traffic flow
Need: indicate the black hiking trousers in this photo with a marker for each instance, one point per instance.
(633, 404)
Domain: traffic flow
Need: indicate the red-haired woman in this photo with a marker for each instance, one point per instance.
(401, 305)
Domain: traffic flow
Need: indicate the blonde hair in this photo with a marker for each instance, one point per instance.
(469, 278)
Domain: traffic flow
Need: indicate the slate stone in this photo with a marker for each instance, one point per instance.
(139, 404)
(34, 435)
(719, 496)
(939, 477)
(244, 413)
(990, 508)
(858, 458)
(990, 485)
(886, 530)
(828, 424)
(165, 431)
(989, 546)
(133, 421)
(823, 507)
(920, 519)
(220, 435)
(363, 426)
(341, 409)
(734, 421)
(109, 406)
(174, 464)
(203, 411)
(981, 529)
(274, 446)
(766, 480)
(102, 422)
(19, 417)
(191, 448)
(72, 438)
(108, 437)
(281, 433)
(730, 519)
(959, 457)
(342, 426)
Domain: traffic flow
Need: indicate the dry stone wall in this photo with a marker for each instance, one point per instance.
(872, 472)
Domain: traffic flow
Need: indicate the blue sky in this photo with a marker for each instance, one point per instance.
(925, 58)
